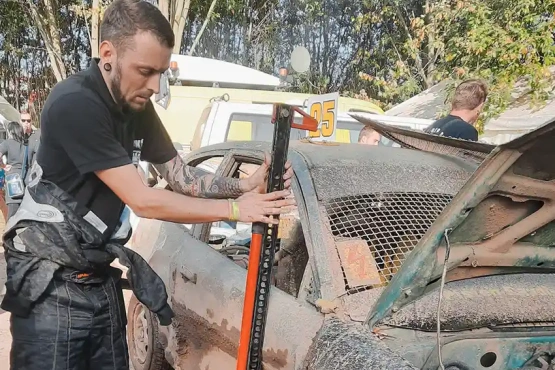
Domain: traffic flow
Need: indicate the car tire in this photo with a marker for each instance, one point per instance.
(145, 350)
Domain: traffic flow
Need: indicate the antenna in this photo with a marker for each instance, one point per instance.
(300, 59)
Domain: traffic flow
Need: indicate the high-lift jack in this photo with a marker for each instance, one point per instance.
(264, 243)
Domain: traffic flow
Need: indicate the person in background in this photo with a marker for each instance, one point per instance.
(14, 149)
(369, 136)
(31, 132)
(466, 107)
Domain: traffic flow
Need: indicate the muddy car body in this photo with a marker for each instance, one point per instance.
(359, 273)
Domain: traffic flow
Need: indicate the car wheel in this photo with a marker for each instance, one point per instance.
(145, 350)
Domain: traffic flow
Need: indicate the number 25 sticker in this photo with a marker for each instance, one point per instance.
(324, 109)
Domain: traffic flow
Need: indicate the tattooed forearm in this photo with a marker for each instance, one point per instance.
(197, 182)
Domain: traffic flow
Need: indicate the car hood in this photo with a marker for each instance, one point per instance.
(501, 221)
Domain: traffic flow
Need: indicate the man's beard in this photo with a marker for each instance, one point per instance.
(115, 86)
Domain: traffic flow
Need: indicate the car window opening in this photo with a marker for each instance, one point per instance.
(232, 239)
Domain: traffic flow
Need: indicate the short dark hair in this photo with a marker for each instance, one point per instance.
(15, 132)
(123, 19)
(469, 95)
(365, 132)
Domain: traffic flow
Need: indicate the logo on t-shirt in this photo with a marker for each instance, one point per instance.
(436, 131)
(137, 148)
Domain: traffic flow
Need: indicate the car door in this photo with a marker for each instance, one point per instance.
(208, 293)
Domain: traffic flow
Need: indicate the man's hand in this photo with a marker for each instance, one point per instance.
(165, 205)
(258, 181)
(254, 207)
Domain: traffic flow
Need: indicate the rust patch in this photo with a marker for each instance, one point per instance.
(286, 225)
(476, 255)
(275, 359)
(326, 307)
(195, 333)
(358, 263)
(462, 273)
(493, 215)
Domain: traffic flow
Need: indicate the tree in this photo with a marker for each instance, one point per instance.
(204, 24)
(13, 24)
(45, 15)
(176, 11)
(500, 41)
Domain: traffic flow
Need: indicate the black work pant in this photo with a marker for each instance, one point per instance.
(74, 326)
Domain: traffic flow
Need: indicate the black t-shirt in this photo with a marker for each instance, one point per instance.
(453, 126)
(84, 131)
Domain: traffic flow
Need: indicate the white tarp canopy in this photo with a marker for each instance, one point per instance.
(7, 112)
(518, 120)
(198, 69)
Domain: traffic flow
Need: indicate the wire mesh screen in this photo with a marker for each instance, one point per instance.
(390, 223)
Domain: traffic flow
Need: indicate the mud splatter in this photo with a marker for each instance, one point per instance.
(276, 359)
(196, 334)
(195, 331)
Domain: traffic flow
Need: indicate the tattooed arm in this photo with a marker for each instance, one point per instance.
(199, 183)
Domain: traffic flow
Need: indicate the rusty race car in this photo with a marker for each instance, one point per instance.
(439, 255)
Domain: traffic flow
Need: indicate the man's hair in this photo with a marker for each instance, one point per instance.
(469, 95)
(125, 18)
(15, 132)
(365, 132)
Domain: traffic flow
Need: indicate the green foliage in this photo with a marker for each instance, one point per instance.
(386, 50)
(507, 43)
(24, 64)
